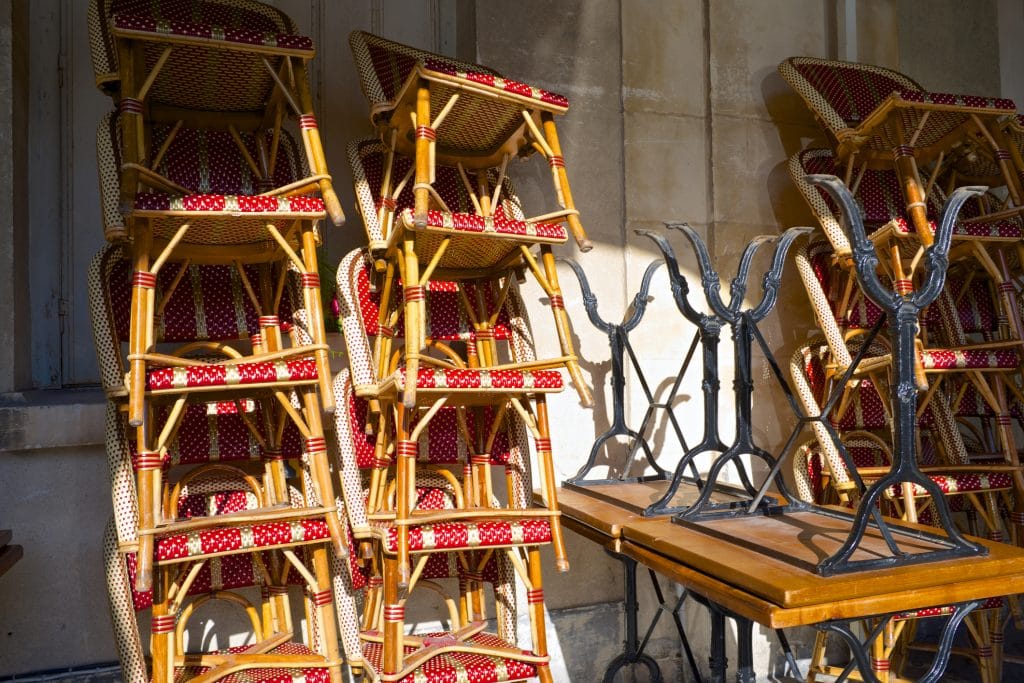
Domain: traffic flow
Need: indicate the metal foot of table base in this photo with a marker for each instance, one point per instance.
(634, 646)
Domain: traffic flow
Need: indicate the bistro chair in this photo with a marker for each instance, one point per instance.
(234, 420)
(484, 402)
(437, 110)
(238, 65)
(879, 118)
(460, 240)
(216, 219)
(980, 238)
(448, 537)
(261, 586)
(863, 424)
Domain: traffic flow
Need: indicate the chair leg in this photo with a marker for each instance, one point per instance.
(162, 633)
(424, 141)
(817, 656)
(549, 486)
(562, 325)
(414, 295)
(880, 658)
(314, 147)
(323, 598)
(311, 294)
(140, 323)
(535, 605)
(562, 182)
(316, 449)
(394, 619)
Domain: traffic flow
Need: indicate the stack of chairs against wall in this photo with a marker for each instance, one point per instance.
(901, 151)
(444, 389)
(210, 335)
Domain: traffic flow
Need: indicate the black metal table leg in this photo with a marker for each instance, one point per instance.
(744, 650)
(634, 646)
(717, 659)
(633, 649)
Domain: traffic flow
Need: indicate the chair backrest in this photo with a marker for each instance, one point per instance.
(825, 287)
(447, 320)
(384, 65)
(964, 308)
(368, 160)
(857, 426)
(228, 27)
(201, 160)
(197, 302)
(842, 94)
(490, 109)
(441, 443)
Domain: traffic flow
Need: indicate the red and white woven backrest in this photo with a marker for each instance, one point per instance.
(368, 159)
(203, 160)
(242, 21)
(384, 65)
(207, 303)
(359, 305)
(842, 94)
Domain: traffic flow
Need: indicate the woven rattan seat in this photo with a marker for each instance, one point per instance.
(275, 655)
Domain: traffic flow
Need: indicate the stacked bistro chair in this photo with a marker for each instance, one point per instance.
(901, 150)
(210, 336)
(420, 482)
(444, 388)
(966, 343)
(435, 195)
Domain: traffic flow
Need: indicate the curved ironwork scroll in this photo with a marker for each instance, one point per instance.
(902, 311)
(743, 324)
(618, 342)
(860, 648)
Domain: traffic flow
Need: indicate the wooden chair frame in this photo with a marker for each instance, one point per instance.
(416, 255)
(149, 493)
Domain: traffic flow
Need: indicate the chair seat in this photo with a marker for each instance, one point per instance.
(499, 226)
(181, 25)
(449, 667)
(239, 374)
(228, 204)
(481, 242)
(265, 675)
(240, 538)
(456, 379)
(218, 220)
(462, 535)
(437, 65)
(970, 359)
(965, 482)
(1002, 229)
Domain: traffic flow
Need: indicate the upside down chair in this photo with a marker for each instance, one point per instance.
(435, 193)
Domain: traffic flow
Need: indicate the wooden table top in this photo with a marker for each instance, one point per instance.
(762, 567)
